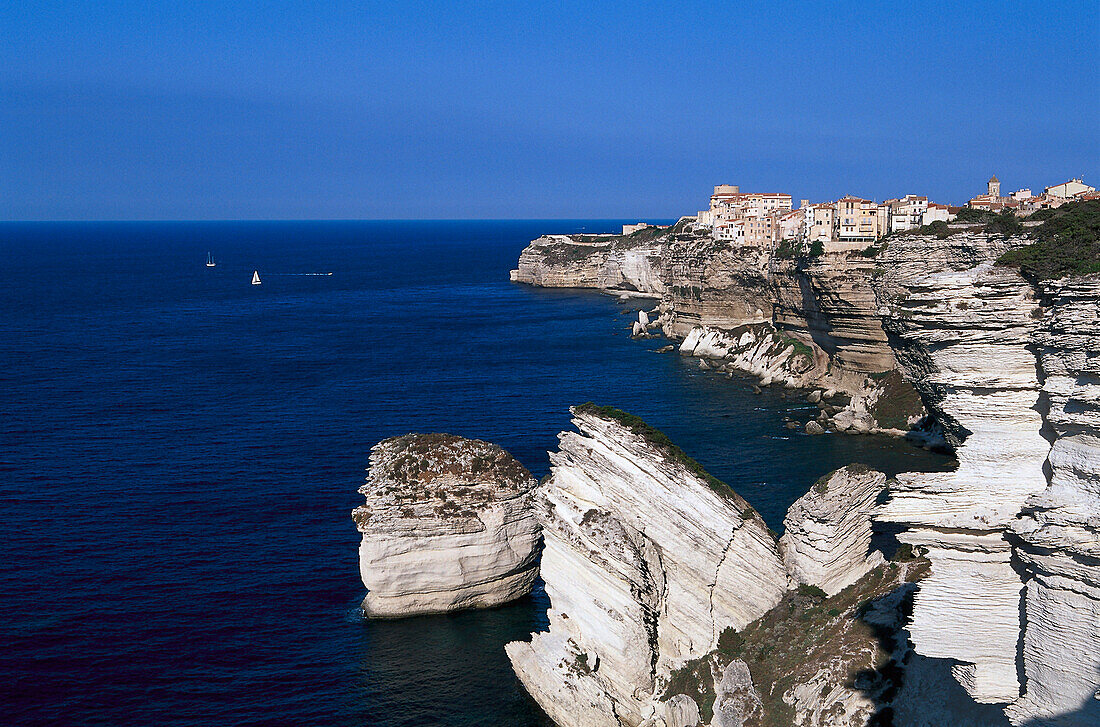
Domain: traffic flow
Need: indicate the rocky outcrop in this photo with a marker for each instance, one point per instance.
(715, 284)
(647, 560)
(827, 532)
(1058, 538)
(669, 595)
(962, 330)
(1008, 370)
(447, 525)
(630, 263)
(757, 349)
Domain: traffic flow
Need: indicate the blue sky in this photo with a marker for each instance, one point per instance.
(128, 110)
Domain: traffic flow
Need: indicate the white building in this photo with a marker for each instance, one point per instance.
(1072, 188)
(935, 213)
(818, 223)
(906, 213)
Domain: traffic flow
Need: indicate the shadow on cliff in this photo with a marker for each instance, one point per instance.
(910, 690)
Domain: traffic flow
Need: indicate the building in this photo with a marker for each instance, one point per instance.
(818, 222)
(1072, 188)
(992, 199)
(631, 229)
(857, 220)
(729, 203)
(936, 213)
(906, 213)
(748, 231)
(790, 224)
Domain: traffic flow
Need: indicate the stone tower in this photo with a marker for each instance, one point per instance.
(994, 186)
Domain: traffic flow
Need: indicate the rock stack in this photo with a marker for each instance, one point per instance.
(447, 525)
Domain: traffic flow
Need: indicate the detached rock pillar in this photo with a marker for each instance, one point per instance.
(447, 525)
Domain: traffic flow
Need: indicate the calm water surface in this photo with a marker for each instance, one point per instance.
(180, 452)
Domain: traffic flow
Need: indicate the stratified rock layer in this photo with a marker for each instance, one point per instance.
(623, 263)
(811, 322)
(1058, 540)
(962, 330)
(827, 532)
(447, 525)
(645, 563)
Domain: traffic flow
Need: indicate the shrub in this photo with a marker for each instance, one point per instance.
(811, 591)
(971, 214)
(786, 249)
(817, 249)
(1006, 223)
(1067, 243)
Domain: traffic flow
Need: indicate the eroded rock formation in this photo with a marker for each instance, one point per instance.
(827, 532)
(962, 328)
(447, 525)
(623, 263)
(646, 561)
(1009, 371)
(1058, 539)
(800, 322)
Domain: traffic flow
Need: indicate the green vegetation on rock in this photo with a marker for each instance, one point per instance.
(806, 633)
(660, 440)
(1067, 243)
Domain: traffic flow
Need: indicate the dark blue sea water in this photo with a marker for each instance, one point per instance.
(180, 452)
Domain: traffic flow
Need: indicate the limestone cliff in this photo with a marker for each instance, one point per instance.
(827, 531)
(671, 604)
(1009, 596)
(628, 263)
(1008, 367)
(1058, 539)
(792, 320)
(962, 328)
(647, 560)
(447, 525)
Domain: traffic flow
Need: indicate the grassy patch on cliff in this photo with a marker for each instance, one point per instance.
(1067, 243)
(807, 632)
(897, 401)
(660, 440)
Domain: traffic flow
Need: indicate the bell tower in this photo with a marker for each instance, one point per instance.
(994, 186)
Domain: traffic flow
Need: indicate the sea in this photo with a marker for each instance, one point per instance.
(180, 452)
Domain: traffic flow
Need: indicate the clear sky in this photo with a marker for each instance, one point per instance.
(211, 110)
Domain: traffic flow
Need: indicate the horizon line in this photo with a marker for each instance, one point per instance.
(335, 219)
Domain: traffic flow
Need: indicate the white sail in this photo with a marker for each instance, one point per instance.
(209, 260)
(255, 277)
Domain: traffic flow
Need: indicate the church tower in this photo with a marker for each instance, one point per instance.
(994, 186)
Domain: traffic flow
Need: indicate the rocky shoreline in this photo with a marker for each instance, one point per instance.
(800, 323)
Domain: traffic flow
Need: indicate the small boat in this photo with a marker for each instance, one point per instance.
(210, 260)
(255, 277)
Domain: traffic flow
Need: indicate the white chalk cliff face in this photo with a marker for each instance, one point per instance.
(1058, 539)
(962, 330)
(1010, 368)
(447, 525)
(629, 263)
(827, 531)
(645, 564)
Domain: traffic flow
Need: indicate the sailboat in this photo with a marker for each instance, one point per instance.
(255, 277)
(209, 260)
